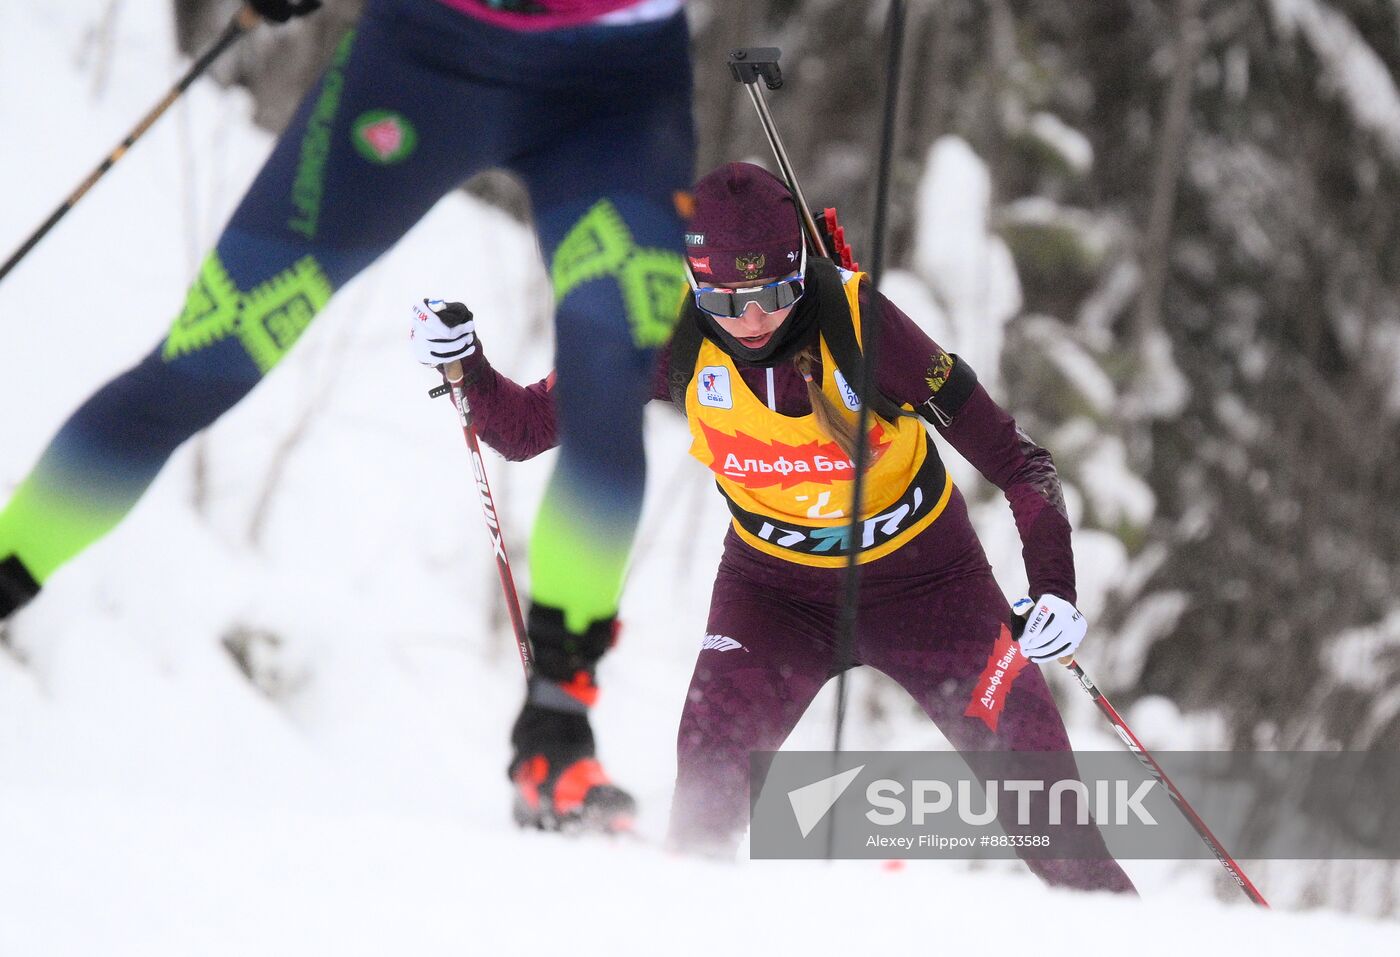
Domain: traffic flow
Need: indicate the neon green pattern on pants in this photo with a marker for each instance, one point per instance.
(268, 319)
(44, 526)
(600, 246)
(576, 565)
(63, 505)
(210, 313)
(577, 557)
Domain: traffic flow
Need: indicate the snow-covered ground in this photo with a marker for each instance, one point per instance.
(153, 801)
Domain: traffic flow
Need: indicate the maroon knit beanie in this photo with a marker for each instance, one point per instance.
(745, 226)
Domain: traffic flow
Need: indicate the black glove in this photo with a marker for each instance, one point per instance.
(280, 11)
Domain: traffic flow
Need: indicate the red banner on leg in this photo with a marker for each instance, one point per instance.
(989, 697)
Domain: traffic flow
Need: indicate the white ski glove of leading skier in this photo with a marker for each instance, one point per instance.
(1054, 628)
(441, 332)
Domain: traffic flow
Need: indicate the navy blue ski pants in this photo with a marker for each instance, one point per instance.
(418, 97)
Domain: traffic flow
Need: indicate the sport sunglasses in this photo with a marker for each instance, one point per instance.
(730, 303)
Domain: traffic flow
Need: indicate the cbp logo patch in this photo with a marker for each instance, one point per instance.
(712, 387)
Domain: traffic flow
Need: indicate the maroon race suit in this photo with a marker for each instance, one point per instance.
(931, 616)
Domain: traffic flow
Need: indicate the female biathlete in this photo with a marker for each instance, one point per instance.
(756, 363)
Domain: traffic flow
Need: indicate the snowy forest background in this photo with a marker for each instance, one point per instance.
(1163, 231)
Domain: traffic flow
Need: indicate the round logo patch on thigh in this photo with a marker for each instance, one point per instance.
(384, 137)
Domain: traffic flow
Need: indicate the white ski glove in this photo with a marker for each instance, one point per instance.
(441, 332)
(1054, 628)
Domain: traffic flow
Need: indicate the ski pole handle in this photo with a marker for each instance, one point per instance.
(452, 371)
(1018, 625)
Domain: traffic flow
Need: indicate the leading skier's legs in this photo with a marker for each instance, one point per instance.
(606, 196)
(371, 148)
(596, 120)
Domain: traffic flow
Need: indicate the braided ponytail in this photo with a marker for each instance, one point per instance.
(832, 422)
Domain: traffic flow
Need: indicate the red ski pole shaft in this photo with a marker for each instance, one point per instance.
(452, 372)
(1155, 769)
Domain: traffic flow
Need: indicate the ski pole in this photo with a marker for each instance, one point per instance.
(243, 21)
(1150, 763)
(865, 387)
(1120, 727)
(455, 378)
